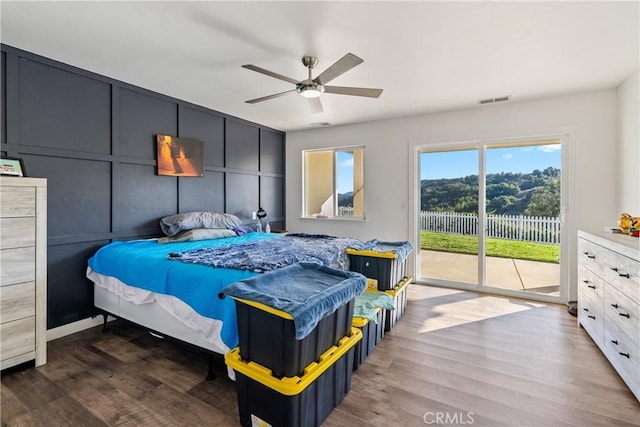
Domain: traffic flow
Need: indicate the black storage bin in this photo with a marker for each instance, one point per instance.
(385, 262)
(399, 295)
(372, 334)
(269, 340)
(306, 400)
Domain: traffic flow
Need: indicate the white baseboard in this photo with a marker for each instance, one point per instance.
(72, 328)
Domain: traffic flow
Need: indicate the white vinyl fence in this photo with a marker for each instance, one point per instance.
(345, 211)
(512, 227)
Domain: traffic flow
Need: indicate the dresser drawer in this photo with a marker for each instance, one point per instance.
(17, 301)
(591, 318)
(17, 265)
(17, 232)
(590, 284)
(622, 312)
(18, 337)
(624, 355)
(623, 273)
(591, 256)
(17, 201)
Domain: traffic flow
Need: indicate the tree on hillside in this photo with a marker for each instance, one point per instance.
(545, 201)
(536, 193)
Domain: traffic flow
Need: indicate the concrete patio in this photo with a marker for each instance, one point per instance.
(506, 273)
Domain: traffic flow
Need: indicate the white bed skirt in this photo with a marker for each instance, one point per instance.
(165, 314)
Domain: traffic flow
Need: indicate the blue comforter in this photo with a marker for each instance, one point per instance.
(268, 255)
(144, 264)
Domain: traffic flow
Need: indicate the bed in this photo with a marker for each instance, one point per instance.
(169, 290)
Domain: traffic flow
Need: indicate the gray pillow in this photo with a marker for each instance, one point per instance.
(198, 234)
(173, 224)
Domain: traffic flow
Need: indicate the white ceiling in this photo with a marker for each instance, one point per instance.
(427, 56)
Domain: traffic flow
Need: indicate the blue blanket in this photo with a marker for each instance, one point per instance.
(144, 264)
(400, 249)
(307, 291)
(367, 303)
(268, 255)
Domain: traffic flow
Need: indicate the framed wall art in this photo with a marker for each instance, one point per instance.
(12, 166)
(180, 156)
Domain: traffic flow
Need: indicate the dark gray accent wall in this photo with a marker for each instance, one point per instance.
(93, 138)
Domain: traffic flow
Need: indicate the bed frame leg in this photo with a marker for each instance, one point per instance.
(210, 374)
(105, 316)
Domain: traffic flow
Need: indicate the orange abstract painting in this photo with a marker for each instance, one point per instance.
(180, 156)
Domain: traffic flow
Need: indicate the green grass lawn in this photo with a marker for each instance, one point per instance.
(502, 248)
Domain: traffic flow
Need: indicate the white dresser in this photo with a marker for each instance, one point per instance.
(609, 299)
(23, 271)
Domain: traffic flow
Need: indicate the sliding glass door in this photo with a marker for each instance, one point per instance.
(490, 217)
(448, 215)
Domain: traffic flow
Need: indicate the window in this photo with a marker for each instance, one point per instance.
(333, 183)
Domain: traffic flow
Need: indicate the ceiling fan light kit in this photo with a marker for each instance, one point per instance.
(312, 88)
(310, 91)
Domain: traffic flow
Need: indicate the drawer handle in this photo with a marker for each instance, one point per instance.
(620, 274)
(592, 317)
(614, 342)
(624, 354)
(614, 305)
(589, 255)
(586, 309)
(591, 286)
(624, 315)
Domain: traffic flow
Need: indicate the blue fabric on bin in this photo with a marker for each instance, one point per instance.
(307, 291)
(367, 303)
(401, 249)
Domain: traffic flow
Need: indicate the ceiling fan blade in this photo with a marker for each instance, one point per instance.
(270, 73)
(341, 66)
(354, 91)
(266, 98)
(315, 105)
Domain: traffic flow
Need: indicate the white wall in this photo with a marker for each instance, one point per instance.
(628, 178)
(590, 119)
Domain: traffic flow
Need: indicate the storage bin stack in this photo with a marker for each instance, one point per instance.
(372, 334)
(399, 295)
(386, 263)
(294, 361)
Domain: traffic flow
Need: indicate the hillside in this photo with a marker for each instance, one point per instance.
(536, 194)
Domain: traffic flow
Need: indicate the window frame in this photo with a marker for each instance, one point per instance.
(334, 155)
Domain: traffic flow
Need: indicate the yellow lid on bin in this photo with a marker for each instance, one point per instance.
(367, 252)
(291, 386)
(400, 286)
(361, 322)
(265, 307)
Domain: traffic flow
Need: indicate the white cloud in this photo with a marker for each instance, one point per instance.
(507, 156)
(526, 149)
(347, 163)
(549, 148)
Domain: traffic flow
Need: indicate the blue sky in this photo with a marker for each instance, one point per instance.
(345, 172)
(456, 164)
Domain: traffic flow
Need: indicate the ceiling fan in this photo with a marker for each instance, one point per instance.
(311, 88)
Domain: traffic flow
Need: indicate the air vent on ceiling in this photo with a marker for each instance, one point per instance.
(494, 100)
(320, 124)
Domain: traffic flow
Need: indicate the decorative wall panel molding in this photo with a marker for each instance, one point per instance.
(93, 138)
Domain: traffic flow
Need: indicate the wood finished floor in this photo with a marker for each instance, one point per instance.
(455, 358)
